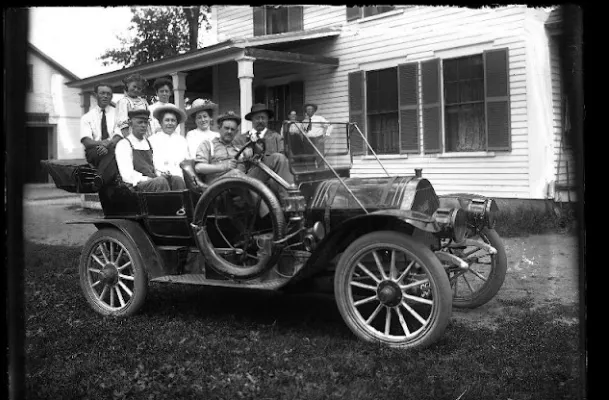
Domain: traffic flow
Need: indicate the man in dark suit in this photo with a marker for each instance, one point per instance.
(269, 145)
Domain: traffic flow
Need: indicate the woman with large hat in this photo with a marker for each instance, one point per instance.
(169, 148)
(202, 111)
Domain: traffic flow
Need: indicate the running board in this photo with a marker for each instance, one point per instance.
(273, 283)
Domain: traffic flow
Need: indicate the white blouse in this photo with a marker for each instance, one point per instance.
(168, 151)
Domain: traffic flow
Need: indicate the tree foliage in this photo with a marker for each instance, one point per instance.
(156, 33)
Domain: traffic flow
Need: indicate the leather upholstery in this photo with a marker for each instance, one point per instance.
(192, 180)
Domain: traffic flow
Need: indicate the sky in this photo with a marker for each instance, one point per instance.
(76, 36)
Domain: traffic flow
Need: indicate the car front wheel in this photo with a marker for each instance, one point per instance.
(391, 289)
(112, 275)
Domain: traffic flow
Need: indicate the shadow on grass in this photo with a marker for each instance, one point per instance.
(192, 342)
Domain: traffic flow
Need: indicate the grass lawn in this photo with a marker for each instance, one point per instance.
(191, 342)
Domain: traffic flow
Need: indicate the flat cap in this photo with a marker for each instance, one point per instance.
(139, 114)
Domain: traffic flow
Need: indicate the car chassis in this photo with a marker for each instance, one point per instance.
(395, 255)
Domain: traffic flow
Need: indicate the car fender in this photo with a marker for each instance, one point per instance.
(404, 220)
(151, 258)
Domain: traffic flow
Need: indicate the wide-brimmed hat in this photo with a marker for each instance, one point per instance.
(229, 115)
(140, 113)
(160, 111)
(259, 108)
(310, 104)
(200, 105)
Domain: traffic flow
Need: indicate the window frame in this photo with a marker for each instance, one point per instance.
(359, 13)
(261, 16)
(380, 110)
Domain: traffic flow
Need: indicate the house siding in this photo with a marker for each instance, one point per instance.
(50, 95)
(420, 33)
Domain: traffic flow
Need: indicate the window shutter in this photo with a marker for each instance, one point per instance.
(297, 98)
(295, 17)
(353, 13)
(497, 99)
(259, 21)
(432, 101)
(409, 107)
(357, 112)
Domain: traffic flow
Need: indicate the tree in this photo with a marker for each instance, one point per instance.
(156, 33)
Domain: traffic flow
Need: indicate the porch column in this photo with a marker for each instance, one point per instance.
(246, 77)
(179, 87)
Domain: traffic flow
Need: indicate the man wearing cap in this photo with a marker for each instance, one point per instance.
(169, 148)
(317, 129)
(134, 156)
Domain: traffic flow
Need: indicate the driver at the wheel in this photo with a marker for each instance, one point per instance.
(221, 161)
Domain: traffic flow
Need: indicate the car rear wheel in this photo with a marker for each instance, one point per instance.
(391, 289)
(112, 275)
(482, 280)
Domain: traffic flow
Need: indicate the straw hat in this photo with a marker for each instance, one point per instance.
(200, 105)
(160, 111)
(310, 104)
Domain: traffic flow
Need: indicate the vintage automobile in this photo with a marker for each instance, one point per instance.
(395, 255)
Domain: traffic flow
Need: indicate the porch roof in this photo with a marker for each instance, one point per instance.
(218, 53)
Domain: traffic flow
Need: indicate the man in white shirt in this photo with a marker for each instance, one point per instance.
(97, 129)
(134, 156)
(317, 128)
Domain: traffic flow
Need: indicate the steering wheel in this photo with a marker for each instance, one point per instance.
(248, 144)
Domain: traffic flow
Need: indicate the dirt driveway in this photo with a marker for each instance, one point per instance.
(541, 268)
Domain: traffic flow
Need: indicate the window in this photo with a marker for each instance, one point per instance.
(282, 99)
(354, 13)
(30, 78)
(270, 20)
(464, 115)
(382, 110)
(471, 114)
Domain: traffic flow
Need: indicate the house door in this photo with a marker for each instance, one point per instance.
(38, 145)
(282, 99)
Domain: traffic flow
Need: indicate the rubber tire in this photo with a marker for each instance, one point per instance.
(278, 219)
(439, 282)
(140, 289)
(496, 277)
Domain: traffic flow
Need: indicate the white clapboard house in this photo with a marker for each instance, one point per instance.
(471, 96)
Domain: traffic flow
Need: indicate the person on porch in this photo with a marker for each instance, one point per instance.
(134, 157)
(317, 128)
(133, 86)
(169, 148)
(202, 110)
(163, 87)
(97, 129)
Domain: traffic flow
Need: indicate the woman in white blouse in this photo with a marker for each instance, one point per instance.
(169, 148)
(202, 110)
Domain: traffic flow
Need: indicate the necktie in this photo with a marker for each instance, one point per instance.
(104, 126)
(309, 126)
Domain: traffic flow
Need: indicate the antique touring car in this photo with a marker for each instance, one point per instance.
(397, 255)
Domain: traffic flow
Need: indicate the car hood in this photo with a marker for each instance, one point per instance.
(399, 192)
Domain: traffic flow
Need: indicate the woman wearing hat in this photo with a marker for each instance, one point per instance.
(169, 148)
(202, 111)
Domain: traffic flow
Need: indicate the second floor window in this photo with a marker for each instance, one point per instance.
(363, 12)
(270, 20)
